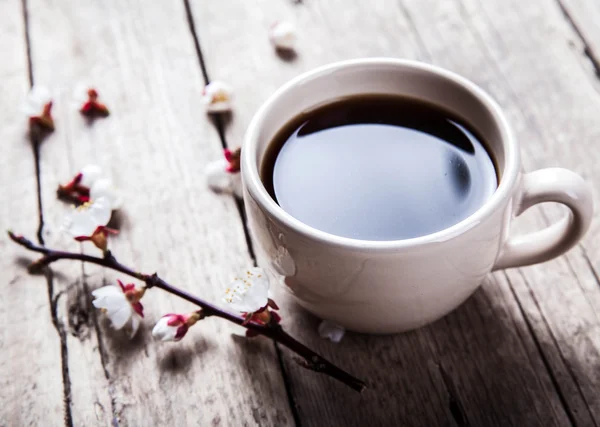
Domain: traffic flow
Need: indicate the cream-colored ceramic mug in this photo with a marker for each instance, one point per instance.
(393, 286)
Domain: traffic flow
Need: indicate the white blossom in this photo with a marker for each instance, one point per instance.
(89, 175)
(282, 35)
(37, 98)
(220, 180)
(331, 331)
(217, 97)
(85, 219)
(103, 188)
(121, 305)
(249, 292)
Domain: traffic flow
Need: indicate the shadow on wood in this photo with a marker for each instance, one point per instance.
(288, 55)
(119, 221)
(124, 351)
(479, 356)
(179, 359)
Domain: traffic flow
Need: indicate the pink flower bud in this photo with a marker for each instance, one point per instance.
(173, 327)
(92, 107)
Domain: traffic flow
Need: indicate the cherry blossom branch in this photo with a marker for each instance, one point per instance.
(272, 330)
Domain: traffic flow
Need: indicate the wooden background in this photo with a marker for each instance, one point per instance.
(523, 351)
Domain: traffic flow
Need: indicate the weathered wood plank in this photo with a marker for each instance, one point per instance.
(155, 144)
(31, 387)
(551, 101)
(497, 348)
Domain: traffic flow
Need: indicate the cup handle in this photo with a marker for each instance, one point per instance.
(549, 185)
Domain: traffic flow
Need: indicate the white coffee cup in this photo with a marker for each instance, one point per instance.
(393, 286)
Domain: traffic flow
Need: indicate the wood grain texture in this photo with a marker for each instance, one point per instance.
(549, 94)
(523, 350)
(584, 15)
(31, 386)
(155, 145)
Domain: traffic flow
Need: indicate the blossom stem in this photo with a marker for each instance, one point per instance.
(310, 359)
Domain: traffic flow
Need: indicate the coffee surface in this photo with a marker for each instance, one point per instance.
(378, 167)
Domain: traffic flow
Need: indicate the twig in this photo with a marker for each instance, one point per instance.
(310, 359)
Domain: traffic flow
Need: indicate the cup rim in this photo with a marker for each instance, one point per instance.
(254, 185)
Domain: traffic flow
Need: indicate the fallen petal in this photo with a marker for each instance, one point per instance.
(283, 35)
(217, 97)
(331, 331)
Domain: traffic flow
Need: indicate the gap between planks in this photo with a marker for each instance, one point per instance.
(538, 346)
(218, 123)
(587, 49)
(52, 299)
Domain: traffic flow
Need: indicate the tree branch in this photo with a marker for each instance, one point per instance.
(310, 359)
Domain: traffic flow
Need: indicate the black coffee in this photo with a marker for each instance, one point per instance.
(378, 167)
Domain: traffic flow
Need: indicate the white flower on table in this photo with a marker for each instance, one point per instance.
(84, 220)
(88, 222)
(121, 304)
(173, 327)
(89, 184)
(79, 186)
(282, 35)
(249, 292)
(103, 188)
(88, 175)
(249, 295)
(217, 97)
(331, 331)
(37, 99)
(38, 108)
(223, 175)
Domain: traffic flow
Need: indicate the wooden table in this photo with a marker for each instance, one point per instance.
(523, 351)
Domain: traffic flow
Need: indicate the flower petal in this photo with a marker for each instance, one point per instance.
(106, 291)
(163, 331)
(249, 292)
(217, 97)
(101, 211)
(89, 175)
(121, 315)
(111, 302)
(37, 97)
(283, 35)
(84, 220)
(31, 109)
(135, 324)
(331, 331)
(103, 188)
(217, 177)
